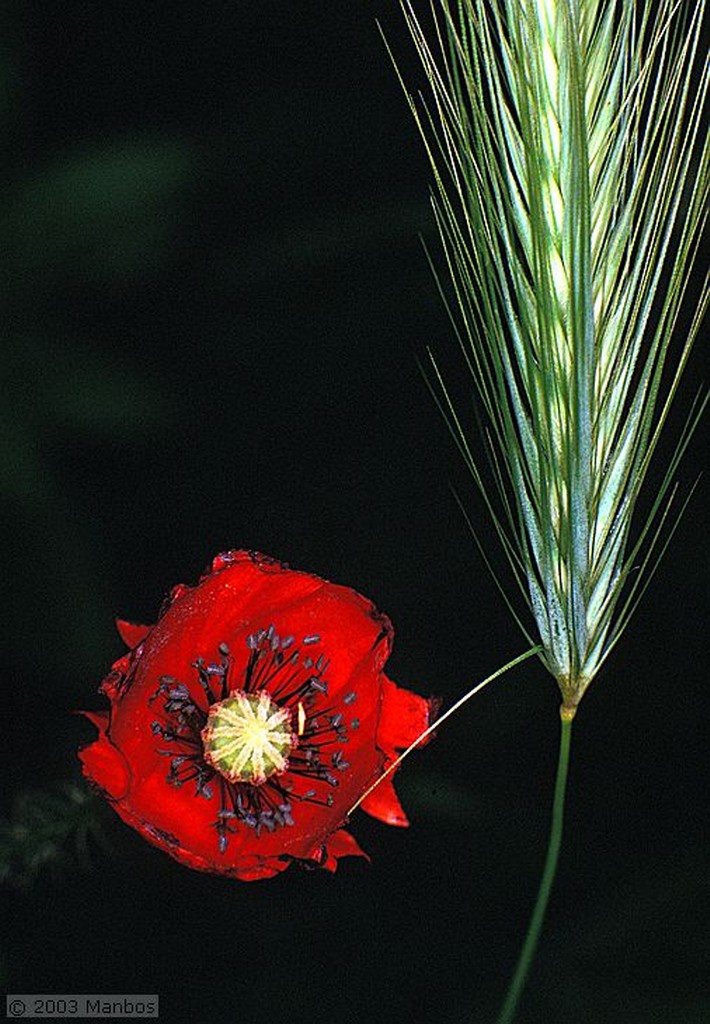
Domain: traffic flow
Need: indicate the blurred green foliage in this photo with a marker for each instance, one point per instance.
(99, 213)
(96, 217)
(49, 832)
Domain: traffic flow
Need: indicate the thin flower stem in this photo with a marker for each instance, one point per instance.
(527, 954)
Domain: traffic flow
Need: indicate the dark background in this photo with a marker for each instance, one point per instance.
(217, 299)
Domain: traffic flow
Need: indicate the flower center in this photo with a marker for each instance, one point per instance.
(248, 738)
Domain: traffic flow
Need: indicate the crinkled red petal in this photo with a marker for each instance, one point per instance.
(227, 606)
(98, 718)
(383, 804)
(131, 632)
(192, 818)
(403, 718)
(247, 868)
(240, 595)
(340, 844)
(103, 762)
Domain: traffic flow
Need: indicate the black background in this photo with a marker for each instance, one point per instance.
(217, 299)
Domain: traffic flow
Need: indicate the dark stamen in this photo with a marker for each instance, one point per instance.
(203, 676)
(293, 682)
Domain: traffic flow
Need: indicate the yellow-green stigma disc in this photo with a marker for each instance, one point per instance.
(248, 738)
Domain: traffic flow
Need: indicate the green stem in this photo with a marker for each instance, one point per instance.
(522, 969)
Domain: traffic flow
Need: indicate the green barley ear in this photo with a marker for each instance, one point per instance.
(570, 161)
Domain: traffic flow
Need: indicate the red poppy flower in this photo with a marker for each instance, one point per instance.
(246, 723)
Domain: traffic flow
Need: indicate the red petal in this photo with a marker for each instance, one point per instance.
(253, 869)
(243, 593)
(383, 804)
(403, 718)
(229, 558)
(97, 718)
(340, 844)
(131, 632)
(247, 868)
(104, 763)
